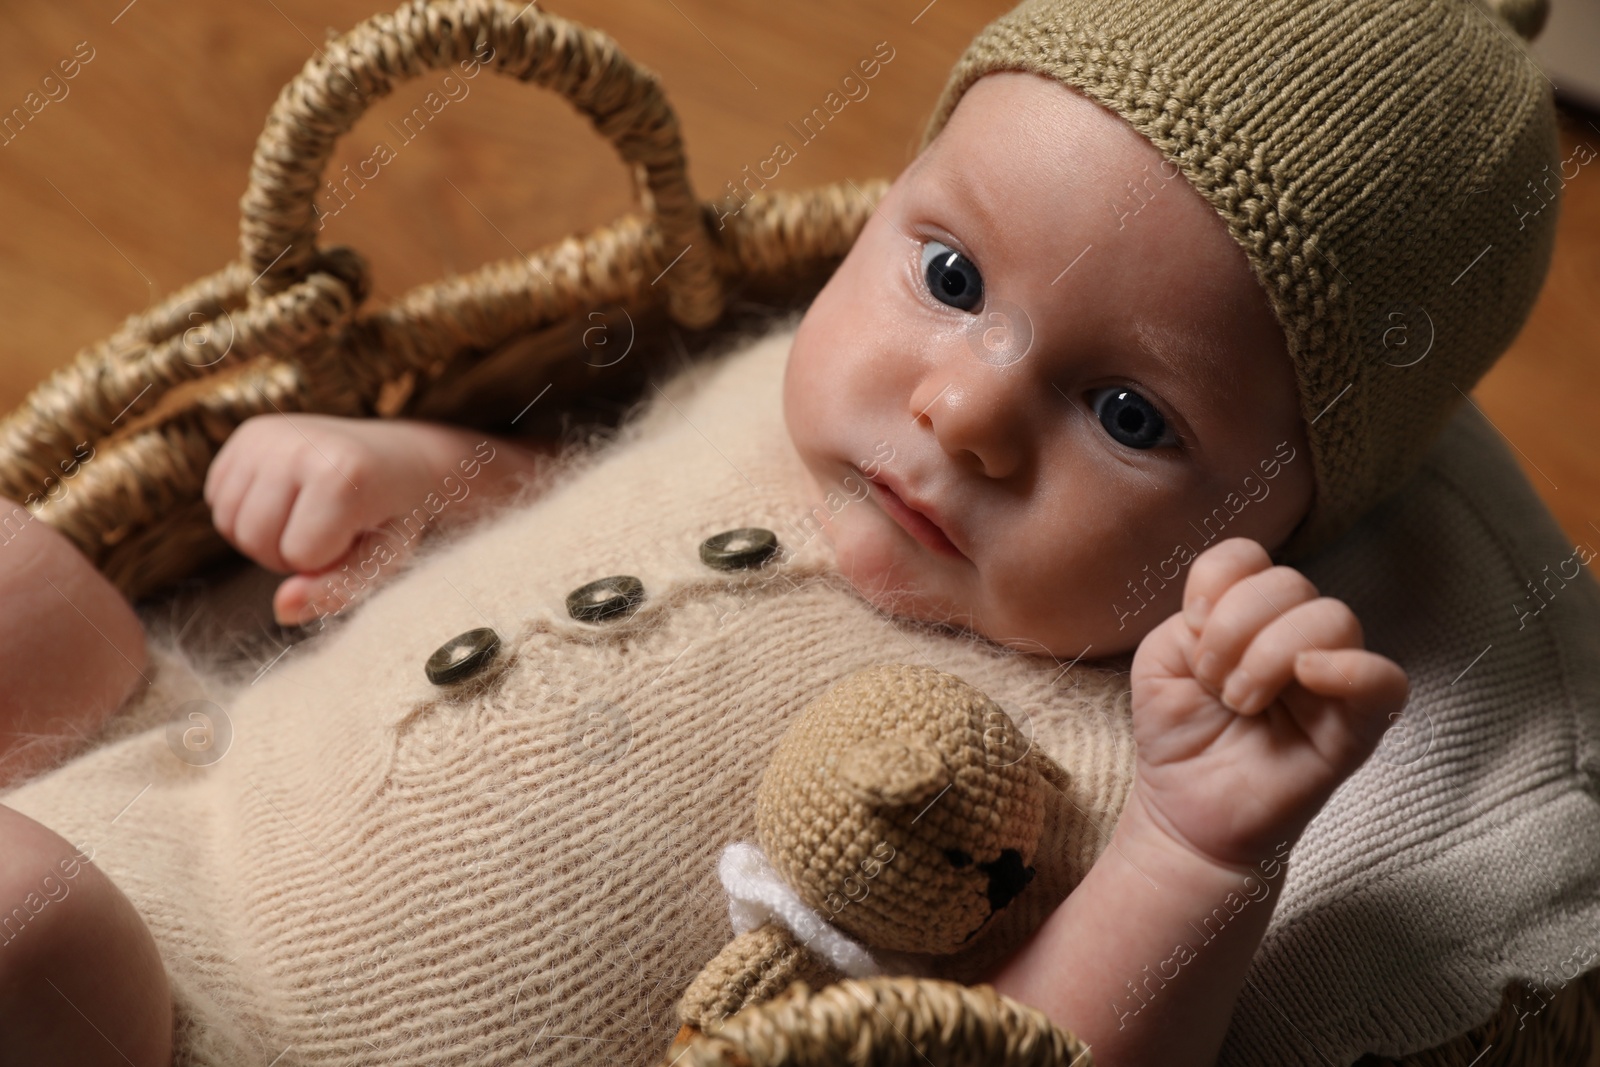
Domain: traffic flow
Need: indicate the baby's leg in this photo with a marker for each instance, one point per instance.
(81, 979)
(71, 648)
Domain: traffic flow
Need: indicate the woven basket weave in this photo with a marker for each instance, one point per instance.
(283, 329)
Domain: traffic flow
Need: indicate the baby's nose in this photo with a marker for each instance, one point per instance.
(977, 413)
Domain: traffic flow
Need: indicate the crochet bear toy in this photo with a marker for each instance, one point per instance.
(901, 812)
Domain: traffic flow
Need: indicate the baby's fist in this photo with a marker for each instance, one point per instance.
(298, 494)
(1254, 703)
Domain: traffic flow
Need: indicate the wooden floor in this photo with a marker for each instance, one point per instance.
(126, 186)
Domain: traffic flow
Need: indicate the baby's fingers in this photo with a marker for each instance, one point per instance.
(1365, 679)
(304, 598)
(1345, 700)
(258, 522)
(1268, 662)
(328, 517)
(224, 493)
(1216, 571)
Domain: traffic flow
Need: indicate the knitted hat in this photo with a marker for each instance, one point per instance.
(1387, 166)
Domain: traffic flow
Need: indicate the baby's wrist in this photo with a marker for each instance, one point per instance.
(1142, 829)
(442, 463)
(1152, 916)
(436, 449)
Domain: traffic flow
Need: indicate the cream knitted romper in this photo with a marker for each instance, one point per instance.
(381, 870)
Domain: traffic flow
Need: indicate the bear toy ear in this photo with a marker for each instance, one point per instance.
(1527, 17)
(890, 772)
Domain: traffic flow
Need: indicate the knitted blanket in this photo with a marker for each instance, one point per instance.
(1466, 852)
(376, 872)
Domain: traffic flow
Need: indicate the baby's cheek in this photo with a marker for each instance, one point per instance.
(1032, 607)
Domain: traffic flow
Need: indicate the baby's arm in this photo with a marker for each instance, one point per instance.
(1145, 958)
(71, 648)
(312, 495)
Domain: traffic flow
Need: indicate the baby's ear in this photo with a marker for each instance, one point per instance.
(890, 771)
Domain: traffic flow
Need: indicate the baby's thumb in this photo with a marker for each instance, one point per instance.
(303, 599)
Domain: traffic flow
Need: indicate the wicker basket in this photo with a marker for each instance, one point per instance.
(283, 329)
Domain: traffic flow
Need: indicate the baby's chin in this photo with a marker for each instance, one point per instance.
(882, 575)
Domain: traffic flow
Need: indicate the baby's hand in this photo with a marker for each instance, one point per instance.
(1252, 705)
(301, 494)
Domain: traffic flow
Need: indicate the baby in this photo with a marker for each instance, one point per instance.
(1047, 355)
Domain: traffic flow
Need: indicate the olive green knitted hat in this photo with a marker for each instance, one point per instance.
(1387, 166)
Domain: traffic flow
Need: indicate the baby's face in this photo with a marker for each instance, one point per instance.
(1046, 342)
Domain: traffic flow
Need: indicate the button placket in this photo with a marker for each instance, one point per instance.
(618, 596)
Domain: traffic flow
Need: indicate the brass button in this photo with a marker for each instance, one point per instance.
(462, 656)
(603, 599)
(739, 549)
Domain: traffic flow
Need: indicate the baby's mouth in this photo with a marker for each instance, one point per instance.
(918, 525)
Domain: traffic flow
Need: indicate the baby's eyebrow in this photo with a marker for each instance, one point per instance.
(921, 161)
(1180, 353)
(958, 182)
(955, 183)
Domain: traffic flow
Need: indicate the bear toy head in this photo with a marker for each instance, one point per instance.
(905, 808)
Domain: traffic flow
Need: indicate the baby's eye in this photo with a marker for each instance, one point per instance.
(1130, 419)
(951, 276)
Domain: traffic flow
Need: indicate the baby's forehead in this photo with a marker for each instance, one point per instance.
(1035, 115)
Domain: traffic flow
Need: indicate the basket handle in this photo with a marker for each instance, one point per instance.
(277, 232)
(885, 1021)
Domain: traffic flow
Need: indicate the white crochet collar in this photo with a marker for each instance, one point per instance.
(756, 894)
